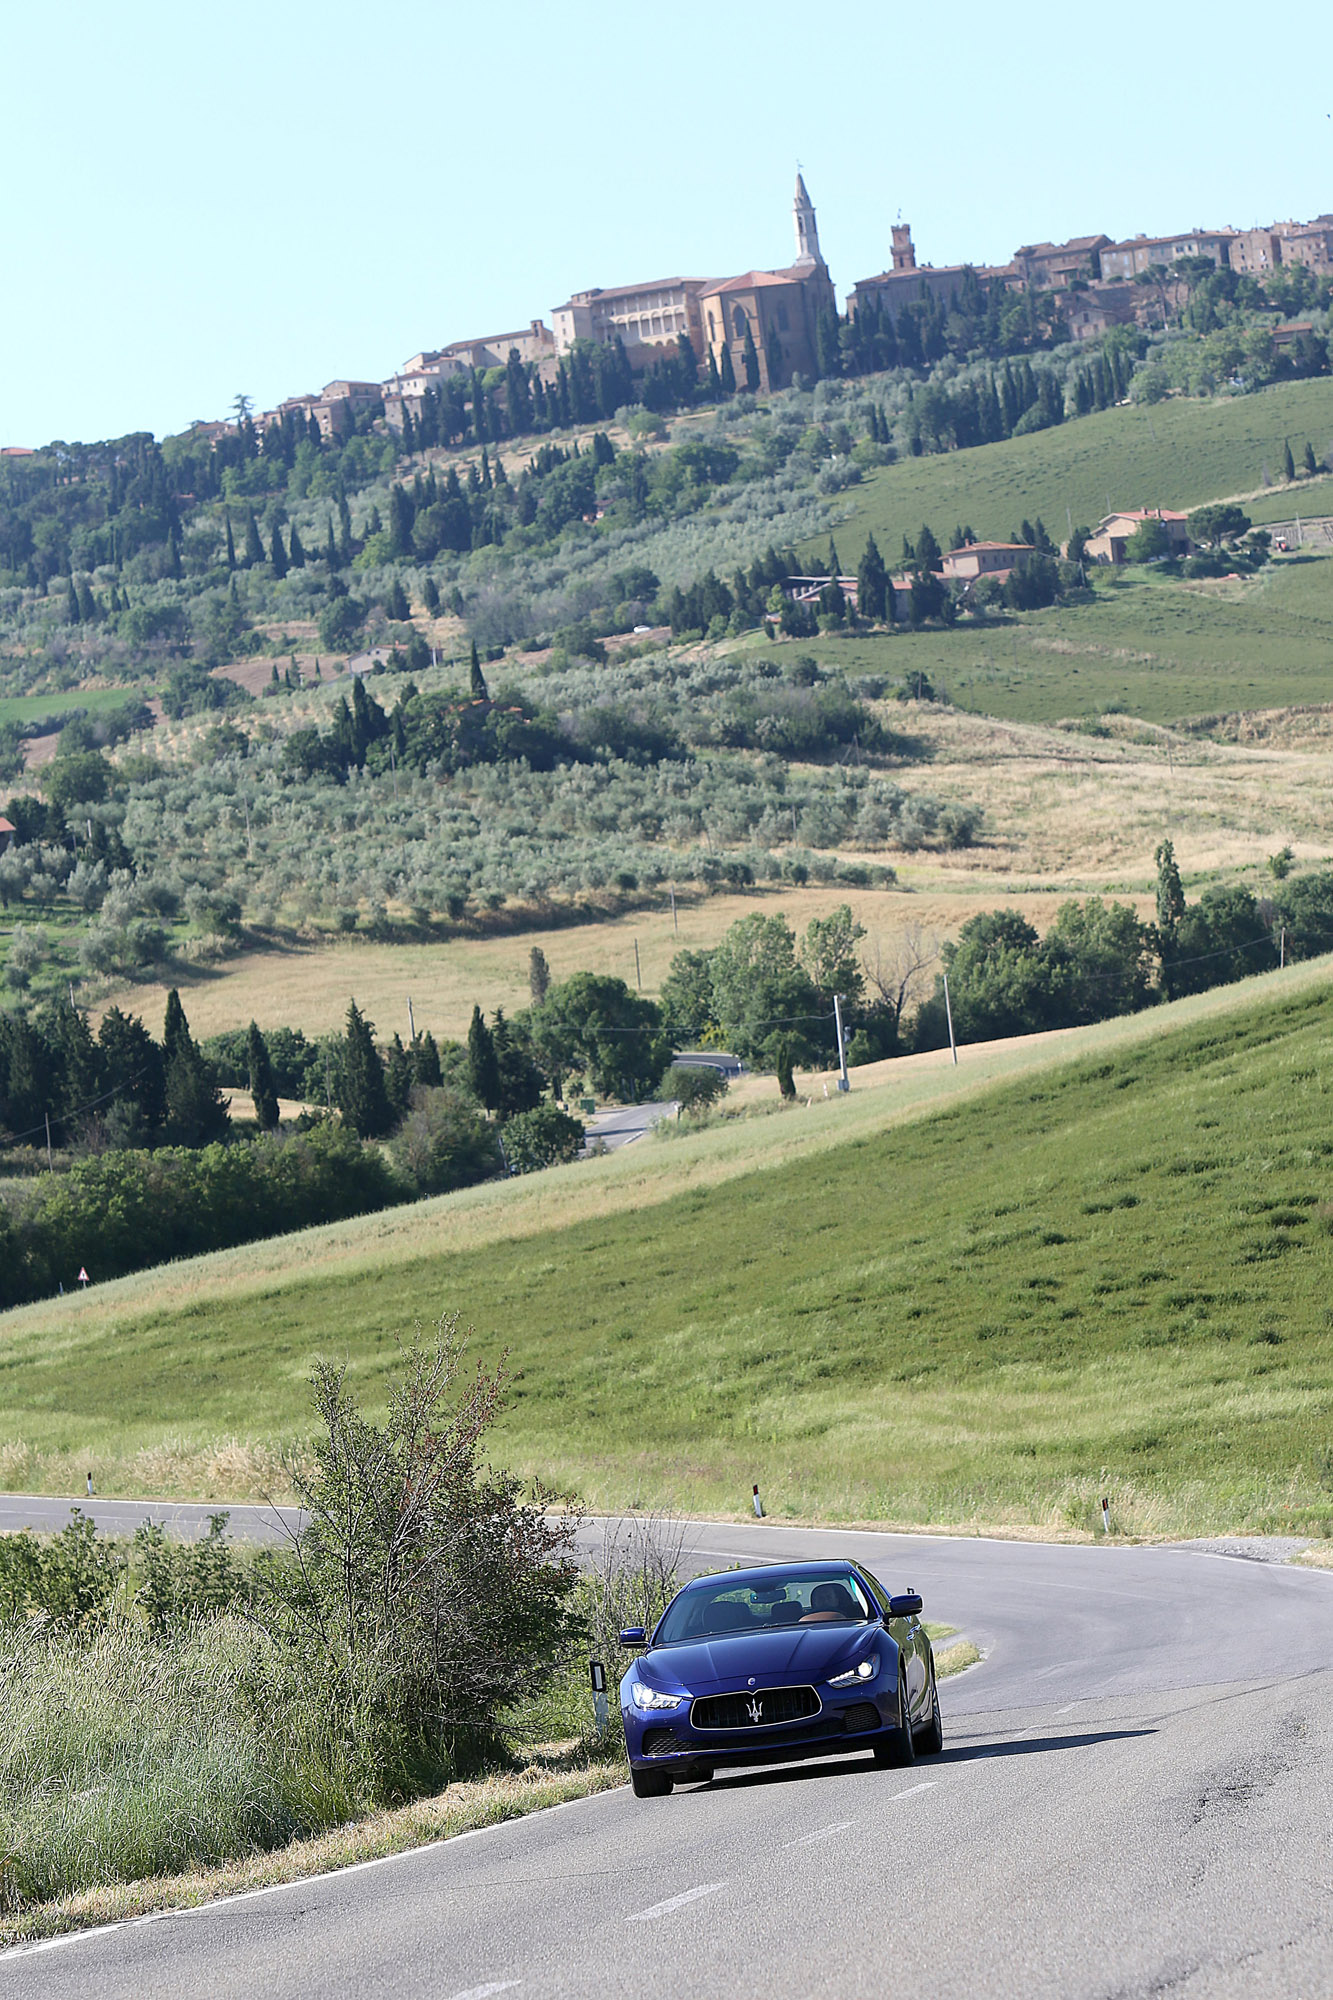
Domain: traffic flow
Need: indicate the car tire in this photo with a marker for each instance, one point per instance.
(899, 1746)
(931, 1740)
(649, 1784)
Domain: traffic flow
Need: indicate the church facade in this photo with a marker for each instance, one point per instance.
(761, 328)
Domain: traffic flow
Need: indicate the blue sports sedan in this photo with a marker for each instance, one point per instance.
(767, 1665)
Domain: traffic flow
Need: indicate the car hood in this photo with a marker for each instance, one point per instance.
(797, 1653)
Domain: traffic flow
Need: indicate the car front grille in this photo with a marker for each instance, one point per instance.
(660, 1742)
(760, 1708)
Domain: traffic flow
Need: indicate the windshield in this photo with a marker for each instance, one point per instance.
(722, 1607)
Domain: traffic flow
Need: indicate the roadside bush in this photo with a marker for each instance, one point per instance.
(693, 1089)
(444, 1142)
(427, 1593)
(546, 1136)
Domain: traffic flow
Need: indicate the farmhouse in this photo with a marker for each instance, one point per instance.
(1107, 545)
(976, 559)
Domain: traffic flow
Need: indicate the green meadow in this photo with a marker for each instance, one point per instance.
(1110, 1275)
(1179, 453)
(1153, 645)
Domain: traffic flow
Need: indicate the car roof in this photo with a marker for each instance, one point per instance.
(833, 1566)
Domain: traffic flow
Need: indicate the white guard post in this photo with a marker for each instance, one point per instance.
(597, 1675)
(758, 1504)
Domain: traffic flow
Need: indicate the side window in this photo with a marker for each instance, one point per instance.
(877, 1590)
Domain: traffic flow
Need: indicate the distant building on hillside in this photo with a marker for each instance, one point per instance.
(1107, 544)
(1141, 253)
(339, 404)
(1052, 265)
(1255, 251)
(7, 827)
(977, 559)
(906, 280)
(1088, 314)
(772, 315)
(1310, 243)
(649, 318)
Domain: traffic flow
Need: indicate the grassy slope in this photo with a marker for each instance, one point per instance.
(36, 707)
(1109, 1275)
(1178, 454)
(1158, 647)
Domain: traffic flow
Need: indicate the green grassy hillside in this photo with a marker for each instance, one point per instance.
(1176, 454)
(1113, 1275)
(1158, 647)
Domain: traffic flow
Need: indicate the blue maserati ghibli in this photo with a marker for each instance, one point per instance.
(768, 1665)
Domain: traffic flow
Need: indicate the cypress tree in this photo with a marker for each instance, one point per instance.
(398, 1078)
(479, 688)
(482, 1063)
(277, 554)
(1311, 463)
(750, 360)
(231, 545)
(1288, 462)
(263, 1088)
(539, 975)
(727, 374)
(430, 593)
(254, 548)
(425, 1056)
(296, 550)
(196, 1113)
(786, 1081)
(871, 582)
(362, 1097)
(344, 532)
(396, 605)
(71, 603)
(330, 547)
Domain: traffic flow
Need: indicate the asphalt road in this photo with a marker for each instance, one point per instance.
(1134, 1799)
(626, 1124)
(185, 1518)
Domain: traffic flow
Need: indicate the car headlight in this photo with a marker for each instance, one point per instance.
(646, 1697)
(864, 1670)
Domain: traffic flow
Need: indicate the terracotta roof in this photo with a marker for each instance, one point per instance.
(750, 281)
(986, 545)
(596, 292)
(7, 825)
(1145, 514)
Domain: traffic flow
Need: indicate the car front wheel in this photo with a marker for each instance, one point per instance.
(931, 1740)
(898, 1747)
(649, 1784)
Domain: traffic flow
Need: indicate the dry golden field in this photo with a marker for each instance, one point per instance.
(1067, 813)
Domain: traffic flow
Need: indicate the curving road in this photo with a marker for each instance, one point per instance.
(1135, 1799)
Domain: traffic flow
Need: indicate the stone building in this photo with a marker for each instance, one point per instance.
(1048, 266)
(906, 280)
(1122, 261)
(772, 314)
(649, 318)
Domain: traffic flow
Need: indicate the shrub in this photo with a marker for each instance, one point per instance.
(694, 1089)
(546, 1136)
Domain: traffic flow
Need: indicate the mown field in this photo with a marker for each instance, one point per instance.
(1106, 1275)
(1153, 646)
(1174, 454)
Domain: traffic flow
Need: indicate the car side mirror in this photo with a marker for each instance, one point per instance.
(906, 1605)
(633, 1635)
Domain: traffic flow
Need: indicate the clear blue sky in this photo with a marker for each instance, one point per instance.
(201, 200)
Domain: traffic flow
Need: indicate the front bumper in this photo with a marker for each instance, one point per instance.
(669, 1742)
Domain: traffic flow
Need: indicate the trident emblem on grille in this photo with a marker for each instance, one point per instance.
(755, 1710)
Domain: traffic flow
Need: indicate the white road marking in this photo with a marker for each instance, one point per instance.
(485, 1992)
(824, 1833)
(676, 1902)
(912, 1790)
(1044, 1673)
(1065, 1710)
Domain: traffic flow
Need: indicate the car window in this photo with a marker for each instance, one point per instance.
(721, 1606)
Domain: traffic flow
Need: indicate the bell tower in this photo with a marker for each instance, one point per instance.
(807, 234)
